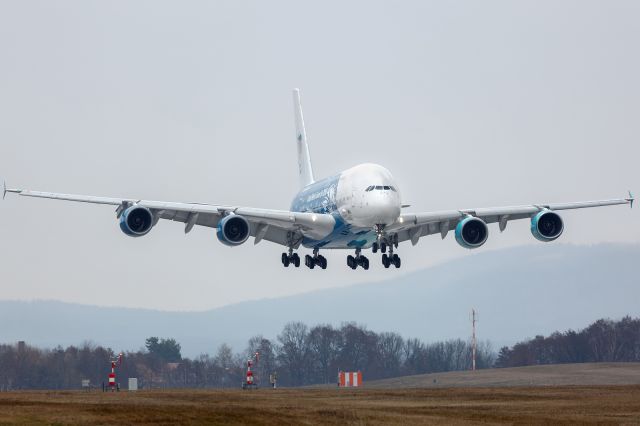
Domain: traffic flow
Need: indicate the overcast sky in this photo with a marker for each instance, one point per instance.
(469, 104)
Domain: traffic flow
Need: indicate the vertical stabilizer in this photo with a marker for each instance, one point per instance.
(304, 160)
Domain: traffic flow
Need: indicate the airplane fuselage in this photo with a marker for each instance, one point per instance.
(358, 199)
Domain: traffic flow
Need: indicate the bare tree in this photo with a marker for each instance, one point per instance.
(293, 352)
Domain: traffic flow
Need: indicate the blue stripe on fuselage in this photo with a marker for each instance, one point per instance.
(320, 197)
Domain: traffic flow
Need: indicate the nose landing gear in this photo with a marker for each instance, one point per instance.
(383, 242)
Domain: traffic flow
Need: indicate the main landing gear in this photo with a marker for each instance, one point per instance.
(310, 262)
(317, 259)
(358, 259)
(391, 259)
(290, 258)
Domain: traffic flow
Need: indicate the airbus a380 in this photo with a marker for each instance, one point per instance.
(357, 209)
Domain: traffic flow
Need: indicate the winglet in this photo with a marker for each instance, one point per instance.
(4, 189)
(631, 199)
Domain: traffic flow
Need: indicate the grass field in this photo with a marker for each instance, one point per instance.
(606, 393)
(523, 405)
(586, 374)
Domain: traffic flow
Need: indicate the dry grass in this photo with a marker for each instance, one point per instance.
(587, 374)
(521, 405)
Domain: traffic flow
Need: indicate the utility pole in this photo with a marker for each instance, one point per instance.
(473, 339)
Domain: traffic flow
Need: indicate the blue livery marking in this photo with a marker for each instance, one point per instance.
(320, 197)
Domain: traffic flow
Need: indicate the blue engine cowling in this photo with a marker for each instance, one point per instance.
(233, 230)
(471, 232)
(546, 226)
(136, 221)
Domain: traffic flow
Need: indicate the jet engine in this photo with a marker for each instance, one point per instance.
(233, 230)
(471, 232)
(546, 226)
(136, 221)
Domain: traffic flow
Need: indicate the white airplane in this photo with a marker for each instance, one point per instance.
(357, 209)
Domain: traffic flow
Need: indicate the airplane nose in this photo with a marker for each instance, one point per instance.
(384, 209)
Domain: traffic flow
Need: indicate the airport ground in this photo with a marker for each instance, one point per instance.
(513, 405)
(499, 398)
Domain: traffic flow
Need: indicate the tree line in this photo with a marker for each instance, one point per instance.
(300, 355)
(603, 341)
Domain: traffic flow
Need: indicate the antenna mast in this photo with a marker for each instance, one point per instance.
(473, 339)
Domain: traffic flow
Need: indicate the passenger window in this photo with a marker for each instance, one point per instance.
(379, 188)
(386, 187)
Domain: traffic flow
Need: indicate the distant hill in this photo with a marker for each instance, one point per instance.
(518, 292)
(587, 374)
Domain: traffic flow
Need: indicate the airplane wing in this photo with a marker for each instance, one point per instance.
(413, 226)
(279, 226)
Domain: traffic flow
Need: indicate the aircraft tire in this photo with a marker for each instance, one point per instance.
(309, 262)
(351, 262)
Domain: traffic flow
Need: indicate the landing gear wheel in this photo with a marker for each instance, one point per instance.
(374, 247)
(365, 263)
(295, 259)
(285, 259)
(383, 247)
(322, 262)
(386, 261)
(351, 262)
(309, 262)
(396, 261)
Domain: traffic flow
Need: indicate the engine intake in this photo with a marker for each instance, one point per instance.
(233, 230)
(471, 232)
(136, 221)
(546, 226)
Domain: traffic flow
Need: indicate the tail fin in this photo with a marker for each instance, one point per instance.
(304, 160)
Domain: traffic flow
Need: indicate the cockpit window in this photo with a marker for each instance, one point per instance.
(381, 188)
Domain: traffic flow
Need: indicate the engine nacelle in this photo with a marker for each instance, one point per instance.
(136, 221)
(546, 226)
(471, 232)
(233, 230)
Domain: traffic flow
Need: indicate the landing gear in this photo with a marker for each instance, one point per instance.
(317, 259)
(384, 242)
(382, 246)
(358, 260)
(392, 259)
(290, 258)
(309, 262)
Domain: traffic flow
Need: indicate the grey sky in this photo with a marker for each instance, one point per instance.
(469, 104)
